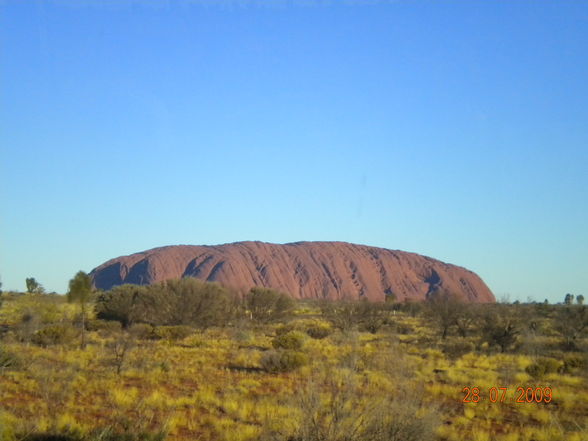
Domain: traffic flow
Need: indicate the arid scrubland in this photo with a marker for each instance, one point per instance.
(186, 361)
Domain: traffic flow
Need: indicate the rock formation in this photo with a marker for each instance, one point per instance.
(331, 270)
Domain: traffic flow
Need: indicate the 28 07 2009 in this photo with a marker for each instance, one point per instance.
(522, 395)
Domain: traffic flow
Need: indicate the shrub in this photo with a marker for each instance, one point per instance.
(572, 324)
(319, 331)
(542, 367)
(288, 327)
(345, 315)
(267, 305)
(372, 315)
(404, 329)
(106, 326)
(342, 315)
(197, 303)
(187, 301)
(119, 348)
(8, 360)
(97, 435)
(339, 411)
(141, 331)
(500, 329)
(292, 340)
(54, 335)
(458, 348)
(573, 362)
(126, 304)
(172, 332)
(283, 361)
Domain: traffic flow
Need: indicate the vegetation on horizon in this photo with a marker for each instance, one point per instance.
(185, 360)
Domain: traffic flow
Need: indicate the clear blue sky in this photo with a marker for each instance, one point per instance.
(457, 130)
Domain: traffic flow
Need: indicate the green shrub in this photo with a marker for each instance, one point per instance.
(283, 361)
(456, 349)
(106, 326)
(573, 362)
(54, 335)
(542, 367)
(142, 331)
(186, 301)
(8, 360)
(266, 305)
(172, 332)
(293, 340)
(96, 435)
(319, 331)
(287, 327)
(404, 329)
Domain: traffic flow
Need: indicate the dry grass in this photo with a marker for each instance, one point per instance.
(210, 386)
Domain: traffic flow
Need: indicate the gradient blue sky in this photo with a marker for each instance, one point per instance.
(457, 130)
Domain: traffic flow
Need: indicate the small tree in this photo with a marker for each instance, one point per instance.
(34, 287)
(343, 315)
(371, 315)
(569, 299)
(572, 324)
(120, 348)
(444, 308)
(580, 299)
(501, 328)
(80, 290)
(465, 319)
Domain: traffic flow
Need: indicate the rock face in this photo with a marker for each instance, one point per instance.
(331, 270)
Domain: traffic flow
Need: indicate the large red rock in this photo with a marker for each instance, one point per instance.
(332, 270)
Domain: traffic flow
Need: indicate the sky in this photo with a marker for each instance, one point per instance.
(453, 129)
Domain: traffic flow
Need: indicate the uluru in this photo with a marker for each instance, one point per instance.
(305, 270)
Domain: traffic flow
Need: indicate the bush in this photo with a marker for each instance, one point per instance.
(197, 303)
(573, 362)
(287, 327)
(292, 340)
(542, 367)
(187, 301)
(338, 410)
(8, 360)
(458, 348)
(342, 315)
(54, 335)
(126, 304)
(314, 328)
(319, 331)
(572, 324)
(283, 361)
(144, 331)
(97, 435)
(404, 329)
(172, 333)
(267, 305)
(106, 326)
(141, 331)
(501, 329)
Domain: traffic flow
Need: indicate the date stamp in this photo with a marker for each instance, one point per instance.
(522, 395)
